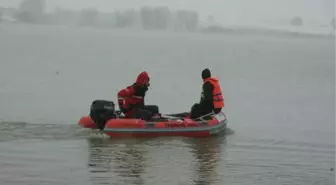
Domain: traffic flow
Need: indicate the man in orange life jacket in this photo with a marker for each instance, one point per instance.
(131, 99)
(212, 98)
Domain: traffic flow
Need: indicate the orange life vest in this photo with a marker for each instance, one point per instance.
(218, 97)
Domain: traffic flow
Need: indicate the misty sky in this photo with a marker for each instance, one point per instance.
(228, 11)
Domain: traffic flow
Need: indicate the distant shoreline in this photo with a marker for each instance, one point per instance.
(209, 31)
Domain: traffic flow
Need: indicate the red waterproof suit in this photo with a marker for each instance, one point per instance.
(132, 97)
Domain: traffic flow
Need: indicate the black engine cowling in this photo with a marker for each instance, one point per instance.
(101, 111)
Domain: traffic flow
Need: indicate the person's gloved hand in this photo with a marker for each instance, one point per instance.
(146, 87)
(140, 91)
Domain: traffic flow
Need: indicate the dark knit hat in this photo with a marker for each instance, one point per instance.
(206, 74)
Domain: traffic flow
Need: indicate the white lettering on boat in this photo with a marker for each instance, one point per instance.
(188, 121)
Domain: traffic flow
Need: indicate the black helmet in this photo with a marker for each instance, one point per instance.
(206, 74)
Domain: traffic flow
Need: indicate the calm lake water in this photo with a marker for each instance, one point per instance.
(279, 98)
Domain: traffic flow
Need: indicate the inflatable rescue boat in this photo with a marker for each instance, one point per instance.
(163, 125)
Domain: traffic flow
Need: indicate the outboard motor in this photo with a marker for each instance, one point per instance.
(101, 111)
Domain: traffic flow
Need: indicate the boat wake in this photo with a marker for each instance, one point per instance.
(23, 130)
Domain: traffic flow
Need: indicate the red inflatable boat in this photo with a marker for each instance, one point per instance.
(164, 126)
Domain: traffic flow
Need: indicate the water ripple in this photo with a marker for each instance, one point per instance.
(136, 161)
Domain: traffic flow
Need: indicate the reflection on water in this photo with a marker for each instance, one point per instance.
(207, 155)
(111, 160)
(128, 161)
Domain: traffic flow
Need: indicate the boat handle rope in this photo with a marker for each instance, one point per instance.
(118, 113)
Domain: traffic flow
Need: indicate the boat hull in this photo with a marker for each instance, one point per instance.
(178, 127)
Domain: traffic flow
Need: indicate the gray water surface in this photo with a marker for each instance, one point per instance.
(279, 99)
